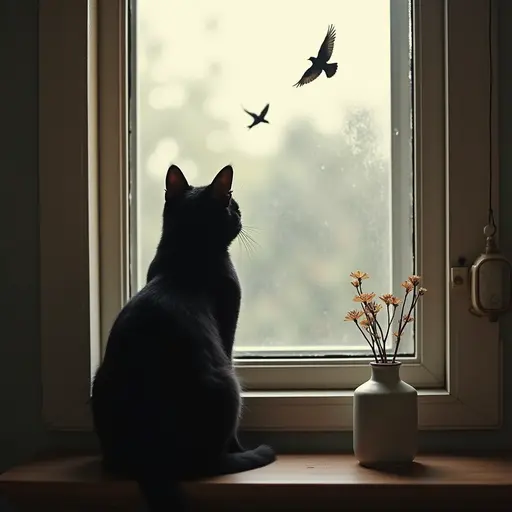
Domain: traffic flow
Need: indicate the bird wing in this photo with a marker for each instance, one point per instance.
(309, 76)
(265, 110)
(325, 52)
(254, 116)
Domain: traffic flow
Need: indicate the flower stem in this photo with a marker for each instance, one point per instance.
(382, 338)
(390, 322)
(374, 325)
(373, 330)
(368, 341)
(401, 325)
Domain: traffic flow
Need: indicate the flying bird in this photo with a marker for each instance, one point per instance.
(320, 62)
(257, 119)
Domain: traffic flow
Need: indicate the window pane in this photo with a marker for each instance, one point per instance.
(325, 188)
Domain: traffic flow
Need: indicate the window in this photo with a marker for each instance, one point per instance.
(357, 171)
(318, 185)
(327, 186)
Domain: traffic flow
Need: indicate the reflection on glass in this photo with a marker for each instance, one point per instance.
(314, 185)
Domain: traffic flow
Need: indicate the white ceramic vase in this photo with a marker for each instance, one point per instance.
(385, 418)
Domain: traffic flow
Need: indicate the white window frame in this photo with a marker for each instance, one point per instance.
(84, 225)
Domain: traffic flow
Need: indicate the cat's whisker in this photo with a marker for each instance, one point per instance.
(243, 241)
(248, 242)
(254, 245)
(245, 238)
(240, 243)
(251, 228)
(250, 239)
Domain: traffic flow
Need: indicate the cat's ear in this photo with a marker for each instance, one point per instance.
(221, 184)
(175, 182)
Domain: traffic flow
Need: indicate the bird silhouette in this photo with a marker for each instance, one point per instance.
(320, 62)
(257, 119)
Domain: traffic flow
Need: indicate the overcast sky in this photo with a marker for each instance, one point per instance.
(262, 49)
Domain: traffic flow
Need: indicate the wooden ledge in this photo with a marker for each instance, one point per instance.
(294, 482)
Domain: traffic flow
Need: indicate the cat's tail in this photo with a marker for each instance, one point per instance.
(259, 457)
(161, 493)
(164, 493)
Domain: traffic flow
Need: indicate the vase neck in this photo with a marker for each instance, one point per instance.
(386, 373)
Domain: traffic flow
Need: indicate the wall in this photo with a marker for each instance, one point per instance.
(20, 382)
(21, 431)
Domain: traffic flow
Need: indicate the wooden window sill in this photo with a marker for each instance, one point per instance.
(294, 482)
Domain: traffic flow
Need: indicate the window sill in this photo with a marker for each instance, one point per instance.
(331, 411)
(294, 482)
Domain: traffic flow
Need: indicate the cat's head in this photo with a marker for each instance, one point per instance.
(202, 218)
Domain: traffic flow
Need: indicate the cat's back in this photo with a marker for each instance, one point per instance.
(163, 321)
(155, 307)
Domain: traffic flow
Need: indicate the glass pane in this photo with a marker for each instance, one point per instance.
(318, 185)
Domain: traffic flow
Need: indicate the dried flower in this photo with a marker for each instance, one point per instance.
(364, 297)
(408, 286)
(353, 315)
(373, 307)
(415, 280)
(387, 298)
(375, 333)
(359, 275)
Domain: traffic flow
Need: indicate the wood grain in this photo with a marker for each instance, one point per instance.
(294, 482)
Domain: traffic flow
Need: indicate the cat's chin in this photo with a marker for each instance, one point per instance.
(237, 228)
(236, 235)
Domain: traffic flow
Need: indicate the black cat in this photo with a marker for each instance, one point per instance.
(166, 400)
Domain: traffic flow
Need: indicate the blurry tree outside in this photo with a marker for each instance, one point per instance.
(316, 199)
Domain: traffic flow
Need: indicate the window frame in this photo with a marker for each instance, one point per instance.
(83, 286)
(425, 370)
